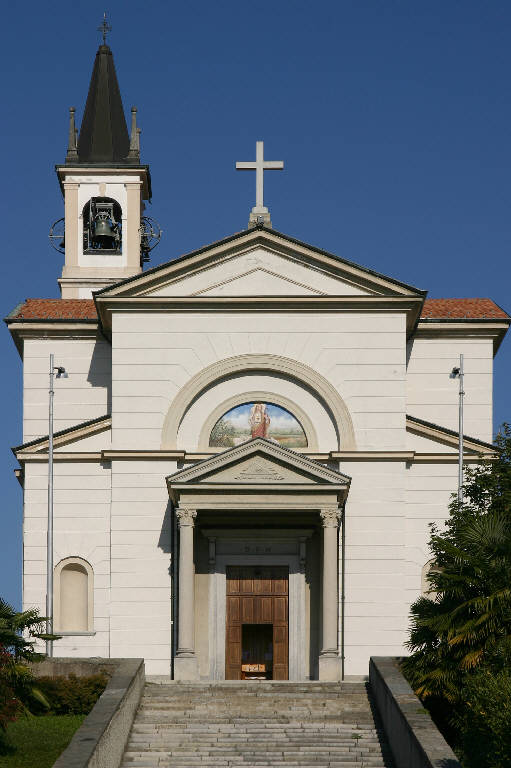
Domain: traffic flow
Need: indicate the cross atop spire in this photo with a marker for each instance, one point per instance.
(259, 213)
(104, 27)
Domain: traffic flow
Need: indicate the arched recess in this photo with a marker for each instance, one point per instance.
(331, 399)
(73, 596)
(265, 397)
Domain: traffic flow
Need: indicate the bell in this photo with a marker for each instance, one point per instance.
(104, 235)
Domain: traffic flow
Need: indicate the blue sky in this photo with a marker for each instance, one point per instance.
(392, 119)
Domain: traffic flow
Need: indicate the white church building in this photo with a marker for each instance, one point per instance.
(251, 441)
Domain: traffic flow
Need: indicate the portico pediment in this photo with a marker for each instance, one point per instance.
(261, 466)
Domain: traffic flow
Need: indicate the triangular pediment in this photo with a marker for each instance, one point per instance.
(260, 281)
(259, 462)
(85, 437)
(258, 262)
(427, 437)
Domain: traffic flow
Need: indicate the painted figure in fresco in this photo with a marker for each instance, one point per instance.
(259, 420)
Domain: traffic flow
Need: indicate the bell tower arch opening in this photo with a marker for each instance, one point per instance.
(102, 226)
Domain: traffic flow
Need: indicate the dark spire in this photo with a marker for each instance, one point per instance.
(103, 135)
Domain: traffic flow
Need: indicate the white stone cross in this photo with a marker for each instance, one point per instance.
(260, 166)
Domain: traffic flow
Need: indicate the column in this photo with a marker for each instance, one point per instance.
(185, 662)
(329, 661)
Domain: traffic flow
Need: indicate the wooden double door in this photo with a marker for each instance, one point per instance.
(257, 631)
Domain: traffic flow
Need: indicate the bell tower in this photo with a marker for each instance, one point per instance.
(104, 187)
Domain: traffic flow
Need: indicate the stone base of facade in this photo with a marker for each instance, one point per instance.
(330, 667)
(186, 668)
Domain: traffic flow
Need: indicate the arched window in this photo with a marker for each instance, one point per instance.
(73, 596)
(426, 588)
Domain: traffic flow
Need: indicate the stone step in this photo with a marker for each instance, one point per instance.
(266, 723)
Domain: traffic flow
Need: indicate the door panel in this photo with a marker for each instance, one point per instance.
(257, 595)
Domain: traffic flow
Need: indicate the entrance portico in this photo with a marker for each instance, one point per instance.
(263, 506)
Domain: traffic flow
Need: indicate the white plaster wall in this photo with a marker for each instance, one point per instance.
(433, 396)
(429, 488)
(361, 355)
(84, 395)
(375, 606)
(141, 561)
(81, 529)
(259, 272)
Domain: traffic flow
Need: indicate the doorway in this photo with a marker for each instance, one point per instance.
(257, 651)
(257, 623)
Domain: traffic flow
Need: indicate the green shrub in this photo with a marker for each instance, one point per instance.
(484, 722)
(72, 695)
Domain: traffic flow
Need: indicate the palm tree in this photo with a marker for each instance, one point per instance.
(18, 631)
(468, 624)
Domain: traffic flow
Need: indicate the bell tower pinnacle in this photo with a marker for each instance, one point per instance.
(104, 186)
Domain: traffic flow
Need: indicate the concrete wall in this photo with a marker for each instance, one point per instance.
(376, 562)
(362, 356)
(84, 395)
(413, 738)
(432, 395)
(82, 497)
(101, 739)
(141, 561)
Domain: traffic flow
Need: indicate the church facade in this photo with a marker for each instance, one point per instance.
(251, 442)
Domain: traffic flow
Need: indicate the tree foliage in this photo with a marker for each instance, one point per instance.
(460, 639)
(468, 624)
(18, 691)
(19, 630)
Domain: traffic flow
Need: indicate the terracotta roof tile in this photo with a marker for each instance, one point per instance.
(84, 309)
(55, 309)
(462, 309)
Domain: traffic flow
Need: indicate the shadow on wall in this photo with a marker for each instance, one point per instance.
(100, 370)
(165, 540)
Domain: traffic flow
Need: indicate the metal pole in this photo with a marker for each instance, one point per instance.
(49, 536)
(460, 456)
(343, 579)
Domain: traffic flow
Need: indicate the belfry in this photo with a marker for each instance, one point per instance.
(252, 440)
(104, 187)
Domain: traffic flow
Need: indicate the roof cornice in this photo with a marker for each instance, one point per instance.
(259, 236)
(101, 169)
(64, 436)
(28, 328)
(106, 305)
(493, 328)
(448, 436)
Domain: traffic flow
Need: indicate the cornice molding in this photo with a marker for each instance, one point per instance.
(269, 238)
(463, 328)
(410, 305)
(194, 458)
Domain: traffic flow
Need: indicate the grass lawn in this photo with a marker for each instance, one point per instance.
(38, 741)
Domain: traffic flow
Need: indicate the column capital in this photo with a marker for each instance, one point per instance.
(186, 516)
(330, 517)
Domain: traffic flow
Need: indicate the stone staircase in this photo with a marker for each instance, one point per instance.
(256, 724)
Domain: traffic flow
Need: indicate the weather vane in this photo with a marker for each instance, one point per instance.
(104, 28)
